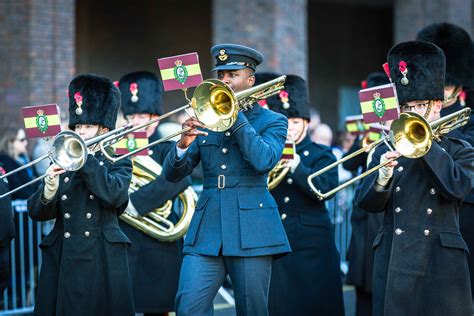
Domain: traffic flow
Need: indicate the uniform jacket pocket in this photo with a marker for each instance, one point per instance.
(196, 221)
(453, 240)
(49, 240)
(116, 236)
(260, 223)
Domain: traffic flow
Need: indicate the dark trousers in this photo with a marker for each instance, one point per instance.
(202, 276)
(4, 266)
(363, 302)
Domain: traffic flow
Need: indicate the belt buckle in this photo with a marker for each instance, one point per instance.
(221, 181)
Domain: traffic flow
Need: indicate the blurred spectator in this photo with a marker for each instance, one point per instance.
(322, 134)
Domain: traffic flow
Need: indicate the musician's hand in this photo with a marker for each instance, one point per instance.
(188, 137)
(386, 172)
(293, 163)
(52, 181)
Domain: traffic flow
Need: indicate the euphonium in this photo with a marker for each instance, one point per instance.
(156, 223)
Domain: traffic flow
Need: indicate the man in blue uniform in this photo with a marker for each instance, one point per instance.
(307, 281)
(236, 228)
(420, 263)
(154, 265)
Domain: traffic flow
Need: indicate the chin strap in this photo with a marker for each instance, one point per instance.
(450, 100)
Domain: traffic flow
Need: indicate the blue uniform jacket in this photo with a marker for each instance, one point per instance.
(241, 217)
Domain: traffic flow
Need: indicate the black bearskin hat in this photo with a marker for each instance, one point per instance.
(93, 100)
(417, 68)
(142, 92)
(377, 79)
(293, 100)
(456, 45)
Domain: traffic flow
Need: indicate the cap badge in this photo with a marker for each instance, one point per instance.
(78, 98)
(134, 92)
(222, 55)
(402, 66)
(284, 99)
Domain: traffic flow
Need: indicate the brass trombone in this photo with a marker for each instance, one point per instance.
(411, 135)
(214, 104)
(69, 151)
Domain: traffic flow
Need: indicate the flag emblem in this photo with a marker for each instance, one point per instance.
(41, 121)
(180, 72)
(378, 105)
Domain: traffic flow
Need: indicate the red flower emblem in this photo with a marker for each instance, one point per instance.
(402, 66)
(133, 87)
(78, 97)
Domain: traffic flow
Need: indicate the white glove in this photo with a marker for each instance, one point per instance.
(385, 173)
(51, 184)
(293, 164)
(131, 209)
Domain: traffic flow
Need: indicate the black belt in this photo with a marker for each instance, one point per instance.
(223, 181)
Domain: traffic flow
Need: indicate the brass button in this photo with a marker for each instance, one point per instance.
(289, 180)
(397, 189)
(87, 234)
(306, 153)
(88, 215)
(429, 211)
(398, 231)
(400, 169)
(204, 141)
(224, 150)
(260, 205)
(64, 197)
(66, 179)
(426, 232)
(67, 215)
(432, 191)
(223, 167)
(286, 199)
(101, 163)
(91, 197)
(283, 216)
(397, 210)
(67, 235)
(227, 134)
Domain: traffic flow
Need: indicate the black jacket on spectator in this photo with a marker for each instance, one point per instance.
(7, 233)
(17, 179)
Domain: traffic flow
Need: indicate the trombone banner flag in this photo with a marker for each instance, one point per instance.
(180, 72)
(41, 120)
(355, 125)
(379, 103)
(288, 151)
(131, 142)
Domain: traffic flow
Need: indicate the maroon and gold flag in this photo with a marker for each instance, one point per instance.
(379, 104)
(180, 72)
(288, 151)
(131, 142)
(355, 125)
(41, 120)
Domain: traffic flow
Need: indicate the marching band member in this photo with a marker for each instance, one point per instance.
(308, 280)
(236, 228)
(364, 227)
(154, 265)
(457, 47)
(85, 267)
(420, 263)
